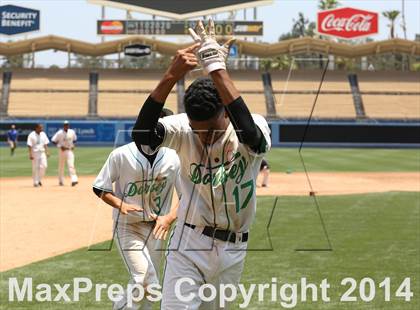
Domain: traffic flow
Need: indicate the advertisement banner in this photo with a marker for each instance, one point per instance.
(137, 50)
(16, 20)
(85, 131)
(23, 129)
(347, 23)
(170, 27)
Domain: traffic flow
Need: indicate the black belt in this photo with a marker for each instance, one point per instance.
(223, 235)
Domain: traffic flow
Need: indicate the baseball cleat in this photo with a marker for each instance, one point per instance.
(74, 183)
(60, 184)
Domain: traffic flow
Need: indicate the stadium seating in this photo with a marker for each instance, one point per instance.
(65, 93)
(43, 98)
(407, 107)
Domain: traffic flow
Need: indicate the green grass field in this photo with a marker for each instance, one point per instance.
(373, 235)
(89, 160)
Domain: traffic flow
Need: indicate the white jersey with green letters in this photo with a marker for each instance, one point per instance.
(129, 175)
(218, 181)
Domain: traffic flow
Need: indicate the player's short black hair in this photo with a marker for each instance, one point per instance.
(201, 100)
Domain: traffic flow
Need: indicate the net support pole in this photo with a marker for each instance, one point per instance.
(180, 93)
(268, 94)
(93, 94)
(357, 96)
(5, 91)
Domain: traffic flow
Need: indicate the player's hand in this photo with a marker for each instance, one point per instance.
(126, 207)
(48, 154)
(162, 226)
(211, 55)
(31, 157)
(184, 61)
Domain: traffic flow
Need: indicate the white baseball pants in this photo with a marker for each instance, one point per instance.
(203, 260)
(64, 157)
(141, 254)
(39, 165)
(265, 174)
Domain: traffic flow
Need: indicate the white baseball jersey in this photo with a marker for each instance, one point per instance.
(217, 181)
(137, 182)
(37, 141)
(65, 138)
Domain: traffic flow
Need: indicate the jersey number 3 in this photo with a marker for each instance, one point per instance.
(238, 193)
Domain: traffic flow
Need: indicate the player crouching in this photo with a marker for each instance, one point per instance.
(139, 185)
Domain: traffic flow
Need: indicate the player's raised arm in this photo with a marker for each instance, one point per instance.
(239, 114)
(212, 57)
(146, 130)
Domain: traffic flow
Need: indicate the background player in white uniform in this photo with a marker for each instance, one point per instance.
(38, 151)
(264, 172)
(141, 195)
(220, 146)
(65, 139)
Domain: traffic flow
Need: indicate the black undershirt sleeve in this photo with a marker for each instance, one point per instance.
(147, 130)
(98, 192)
(247, 131)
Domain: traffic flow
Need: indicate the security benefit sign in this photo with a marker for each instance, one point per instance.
(16, 20)
(347, 23)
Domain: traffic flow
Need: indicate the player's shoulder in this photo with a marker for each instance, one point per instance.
(181, 117)
(258, 118)
(169, 154)
(123, 149)
(116, 153)
(179, 121)
(130, 152)
(33, 134)
(58, 133)
(261, 122)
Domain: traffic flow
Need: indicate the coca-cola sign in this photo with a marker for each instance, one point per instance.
(347, 23)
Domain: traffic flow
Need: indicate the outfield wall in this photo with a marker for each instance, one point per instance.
(285, 133)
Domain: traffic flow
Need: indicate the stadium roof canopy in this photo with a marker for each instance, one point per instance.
(290, 47)
(181, 9)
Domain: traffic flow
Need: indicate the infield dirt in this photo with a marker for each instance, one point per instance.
(38, 223)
